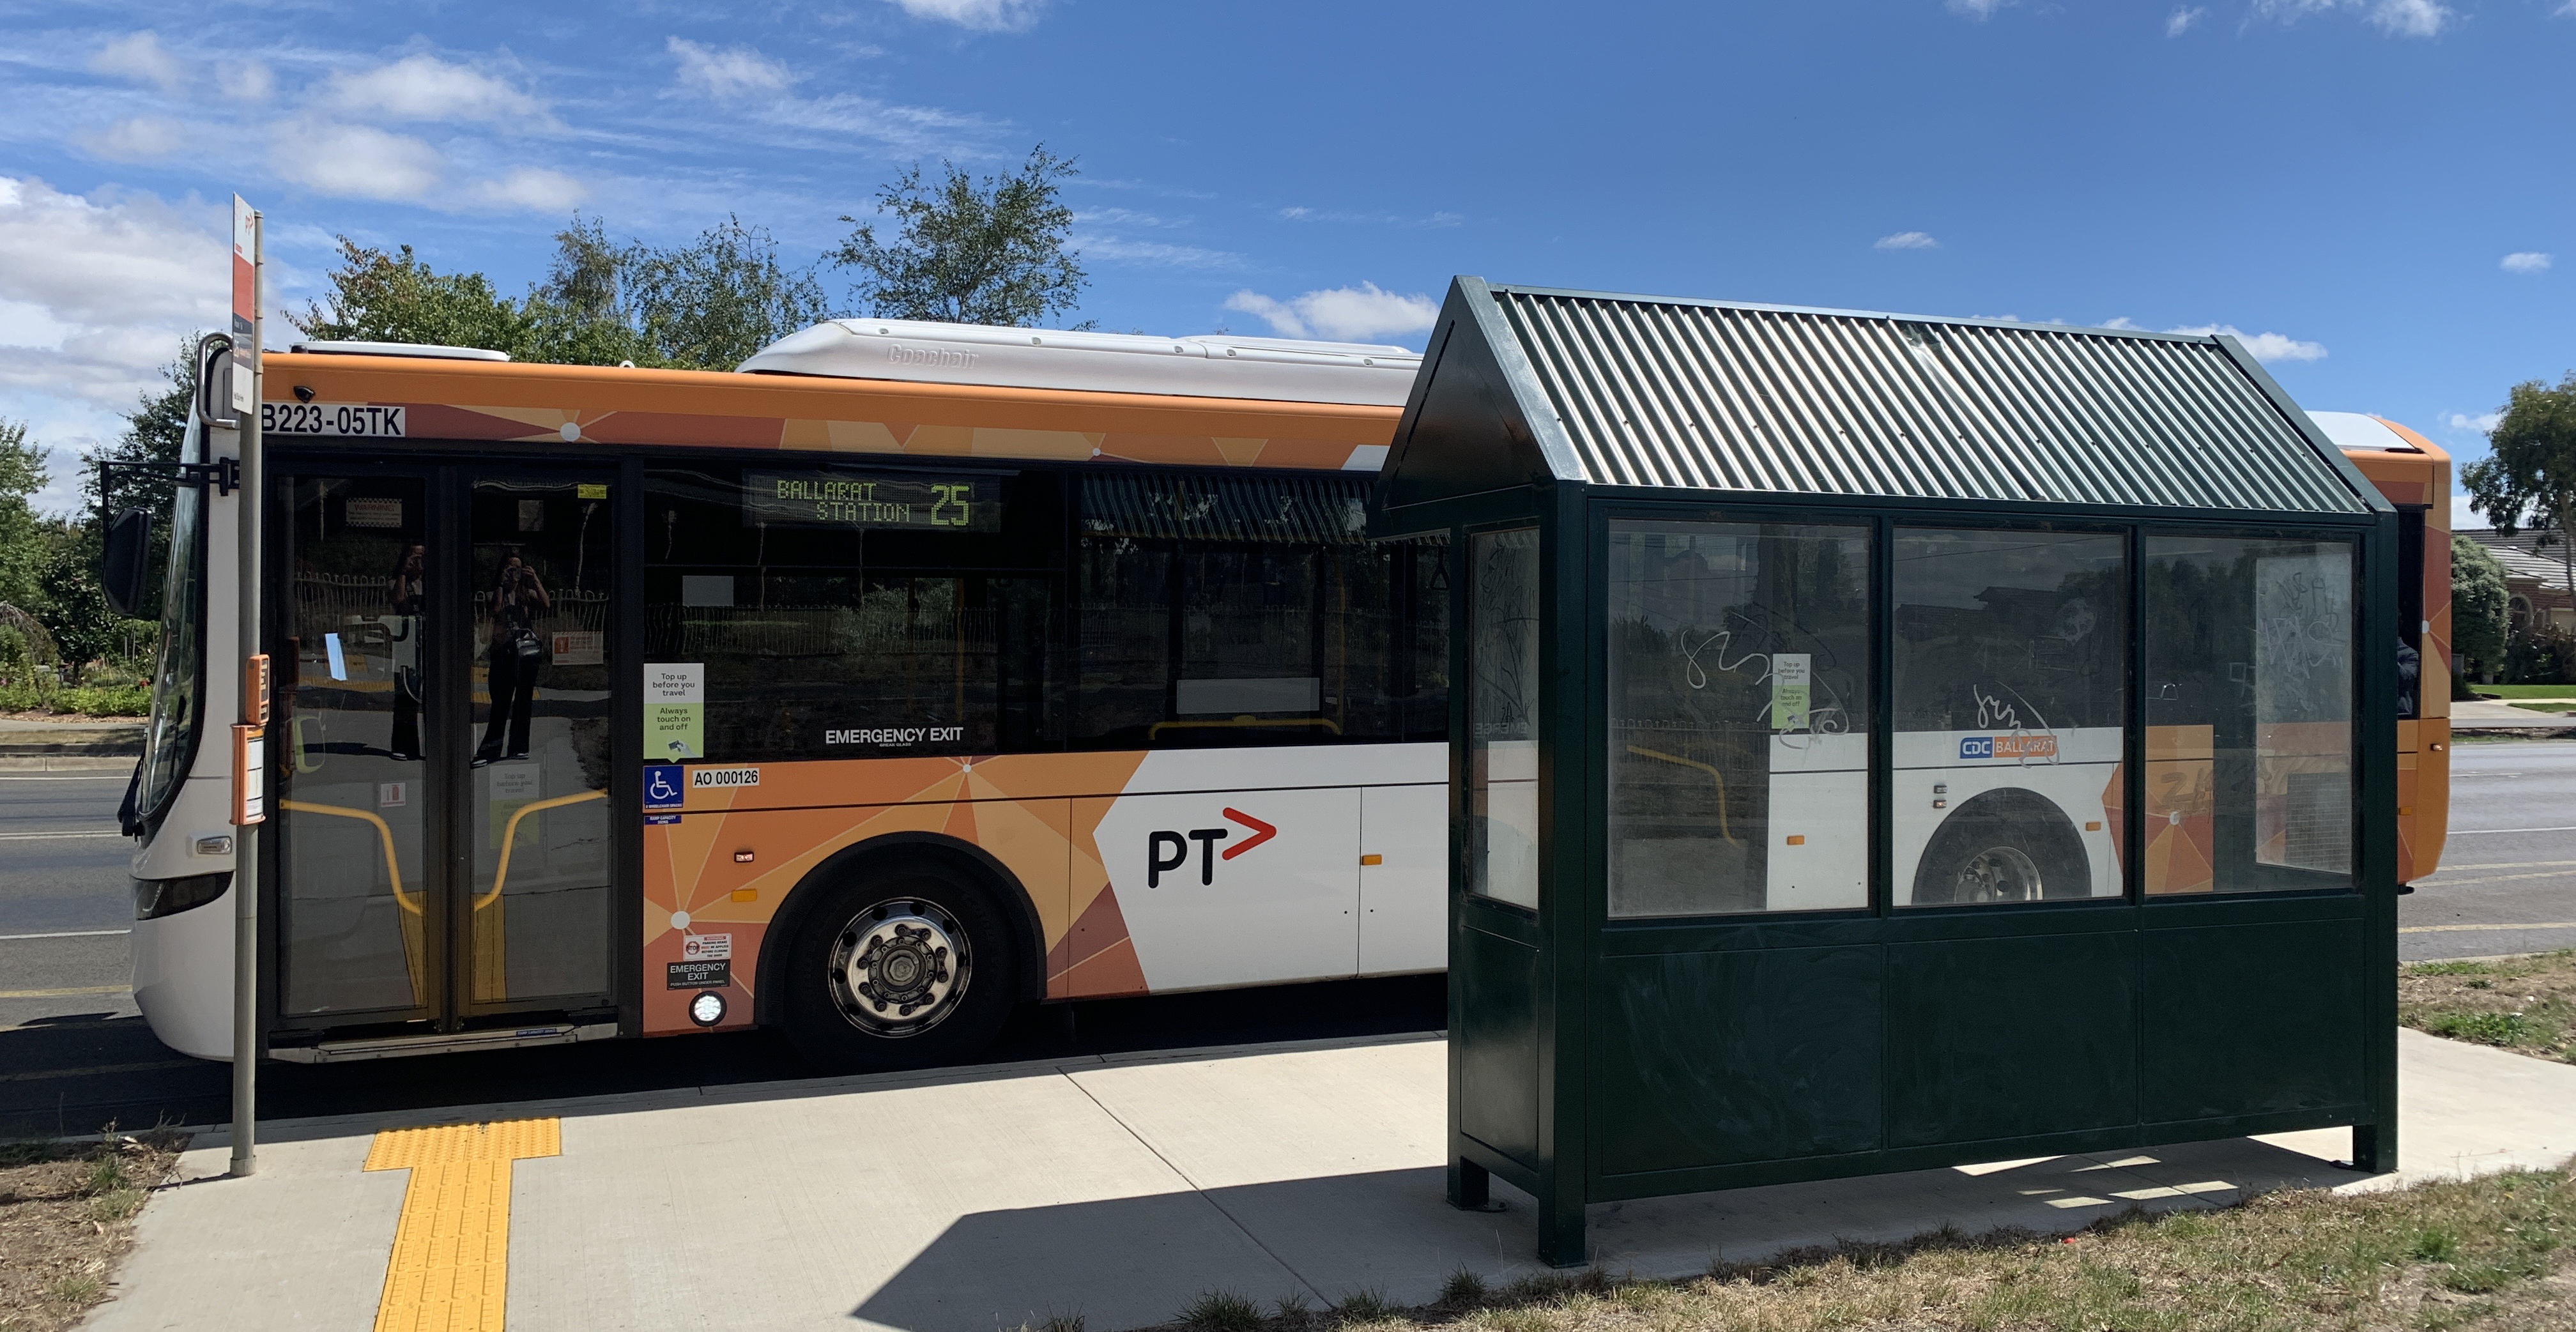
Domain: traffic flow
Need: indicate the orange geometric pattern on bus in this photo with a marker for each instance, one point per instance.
(1019, 809)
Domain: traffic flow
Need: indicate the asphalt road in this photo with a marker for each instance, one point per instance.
(74, 1055)
(2510, 860)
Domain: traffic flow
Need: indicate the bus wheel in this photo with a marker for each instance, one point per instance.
(899, 970)
(2004, 846)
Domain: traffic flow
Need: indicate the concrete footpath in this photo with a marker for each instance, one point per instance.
(1115, 1189)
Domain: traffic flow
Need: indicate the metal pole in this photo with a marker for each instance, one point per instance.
(246, 838)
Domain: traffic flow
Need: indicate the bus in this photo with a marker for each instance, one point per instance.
(910, 674)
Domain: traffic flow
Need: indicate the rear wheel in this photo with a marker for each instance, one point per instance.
(2004, 846)
(900, 967)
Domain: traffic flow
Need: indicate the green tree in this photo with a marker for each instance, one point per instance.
(395, 296)
(74, 608)
(710, 304)
(2531, 469)
(963, 252)
(22, 543)
(2478, 601)
(154, 430)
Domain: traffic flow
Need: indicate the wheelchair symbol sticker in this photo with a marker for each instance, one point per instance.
(663, 787)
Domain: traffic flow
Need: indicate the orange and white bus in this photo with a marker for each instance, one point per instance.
(912, 673)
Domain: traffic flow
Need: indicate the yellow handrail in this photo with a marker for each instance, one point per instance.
(510, 834)
(393, 869)
(1713, 775)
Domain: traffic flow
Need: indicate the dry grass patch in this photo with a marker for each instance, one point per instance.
(2523, 1004)
(2492, 1253)
(66, 1219)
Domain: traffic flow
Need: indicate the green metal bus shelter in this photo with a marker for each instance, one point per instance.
(1882, 743)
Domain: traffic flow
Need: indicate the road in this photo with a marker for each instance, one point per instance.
(74, 1055)
(2511, 857)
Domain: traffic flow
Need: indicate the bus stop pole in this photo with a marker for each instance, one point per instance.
(246, 837)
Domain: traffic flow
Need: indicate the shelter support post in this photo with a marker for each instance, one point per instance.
(1471, 1186)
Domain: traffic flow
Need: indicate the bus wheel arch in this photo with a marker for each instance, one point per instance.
(887, 858)
(2005, 845)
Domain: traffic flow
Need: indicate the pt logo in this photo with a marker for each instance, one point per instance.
(1171, 850)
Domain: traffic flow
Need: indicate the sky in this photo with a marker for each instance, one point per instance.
(2374, 194)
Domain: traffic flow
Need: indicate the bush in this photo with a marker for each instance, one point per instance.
(2541, 654)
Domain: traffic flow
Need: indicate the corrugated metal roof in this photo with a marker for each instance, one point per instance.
(1752, 398)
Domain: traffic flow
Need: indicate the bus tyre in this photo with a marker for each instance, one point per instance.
(2004, 846)
(906, 967)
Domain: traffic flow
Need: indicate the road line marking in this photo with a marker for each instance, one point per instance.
(2452, 929)
(66, 934)
(2489, 832)
(43, 836)
(2492, 878)
(95, 1070)
(450, 1266)
(66, 994)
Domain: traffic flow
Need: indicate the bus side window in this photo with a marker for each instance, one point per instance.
(1219, 610)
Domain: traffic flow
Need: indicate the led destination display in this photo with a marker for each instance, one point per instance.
(855, 499)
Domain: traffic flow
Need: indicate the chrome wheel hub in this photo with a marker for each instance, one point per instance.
(899, 967)
(1999, 874)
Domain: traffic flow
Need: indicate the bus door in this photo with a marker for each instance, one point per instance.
(444, 832)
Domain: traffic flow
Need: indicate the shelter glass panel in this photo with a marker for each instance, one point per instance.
(2249, 714)
(1739, 683)
(1503, 715)
(2012, 656)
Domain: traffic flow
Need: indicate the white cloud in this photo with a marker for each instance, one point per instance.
(246, 80)
(2483, 422)
(735, 71)
(139, 139)
(1907, 240)
(139, 57)
(1980, 10)
(2119, 321)
(2264, 346)
(1154, 252)
(980, 15)
(1346, 314)
(536, 189)
(424, 87)
(2526, 261)
(2412, 18)
(356, 161)
(2402, 18)
(2180, 21)
(95, 295)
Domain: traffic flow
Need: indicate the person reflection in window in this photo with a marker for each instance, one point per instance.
(408, 585)
(513, 657)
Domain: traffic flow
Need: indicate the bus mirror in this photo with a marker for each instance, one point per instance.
(126, 560)
(215, 381)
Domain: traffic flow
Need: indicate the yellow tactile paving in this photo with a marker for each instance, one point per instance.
(450, 1268)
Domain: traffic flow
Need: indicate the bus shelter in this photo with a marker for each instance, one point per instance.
(1885, 743)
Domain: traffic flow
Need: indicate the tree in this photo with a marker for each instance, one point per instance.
(966, 253)
(2532, 466)
(710, 305)
(2478, 600)
(395, 296)
(154, 430)
(22, 543)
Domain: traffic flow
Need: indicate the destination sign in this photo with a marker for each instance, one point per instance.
(854, 499)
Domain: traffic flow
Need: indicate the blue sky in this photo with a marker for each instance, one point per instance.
(2374, 192)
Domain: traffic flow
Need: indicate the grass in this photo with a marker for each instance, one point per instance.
(65, 1221)
(2523, 1004)
(2552, 706)
(2525, 691)
(2486, 1252)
